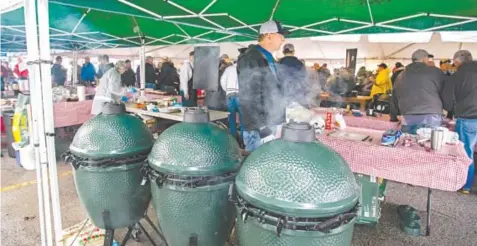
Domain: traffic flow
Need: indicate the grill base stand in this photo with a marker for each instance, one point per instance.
(133, 231)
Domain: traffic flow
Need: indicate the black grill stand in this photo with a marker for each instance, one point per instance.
(428, 216)
(133, 231)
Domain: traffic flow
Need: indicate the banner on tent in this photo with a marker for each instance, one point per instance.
(351, 55)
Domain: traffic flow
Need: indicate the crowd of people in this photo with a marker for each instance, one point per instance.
(420, 91)
(16, 77)
(259, 88)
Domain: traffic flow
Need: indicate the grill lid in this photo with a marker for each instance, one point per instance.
(112, 134)
(199, 149)
(298, 179)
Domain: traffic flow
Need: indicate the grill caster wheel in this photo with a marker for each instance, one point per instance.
(135, 234)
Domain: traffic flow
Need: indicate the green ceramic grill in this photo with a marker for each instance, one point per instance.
(107, 154)
(295, 191)
(192, 165)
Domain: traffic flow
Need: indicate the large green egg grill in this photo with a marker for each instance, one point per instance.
(192, 166)
(107, 154)
(295, 191)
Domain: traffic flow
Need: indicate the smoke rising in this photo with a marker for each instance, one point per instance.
(269, 94)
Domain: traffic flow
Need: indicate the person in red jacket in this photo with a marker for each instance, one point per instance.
(21, 70)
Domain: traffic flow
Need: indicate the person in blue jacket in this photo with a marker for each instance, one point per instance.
(87, 71)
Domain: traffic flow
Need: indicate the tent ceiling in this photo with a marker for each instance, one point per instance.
(308, 49)
(90, 24)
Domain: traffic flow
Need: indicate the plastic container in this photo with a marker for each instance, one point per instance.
(27, 157)
(24, 156)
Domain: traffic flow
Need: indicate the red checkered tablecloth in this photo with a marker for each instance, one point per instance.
(443, 170)
(71, 113)
(375, 123)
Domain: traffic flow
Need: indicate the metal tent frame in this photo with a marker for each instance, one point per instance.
(213, 27)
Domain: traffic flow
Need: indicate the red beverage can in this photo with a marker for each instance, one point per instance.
(328, 120)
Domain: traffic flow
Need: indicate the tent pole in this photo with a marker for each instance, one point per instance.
(157, 17)
(160, 39)
(277, 3)
(142, 67)
(450, 25)
(44, 38)
(37, 123)
(401, 19)
(74, 67)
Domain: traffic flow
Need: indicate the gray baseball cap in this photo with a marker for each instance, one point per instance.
(273, 27)
(419, 54)
(289, 47)
(464, 55)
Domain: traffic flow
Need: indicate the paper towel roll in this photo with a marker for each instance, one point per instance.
(81, 92)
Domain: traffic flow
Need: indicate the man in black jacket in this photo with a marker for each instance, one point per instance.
(128, 78)
(150, 74)
(168, 77)
(416, 93)
(398, 68)
(260, 94)
(293, 77)
(460, 95)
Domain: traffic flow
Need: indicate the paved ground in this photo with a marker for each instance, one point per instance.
(454, 215)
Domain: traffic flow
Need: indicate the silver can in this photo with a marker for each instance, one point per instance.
(437, 139)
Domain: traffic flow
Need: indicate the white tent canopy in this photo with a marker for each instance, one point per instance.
(370, 47)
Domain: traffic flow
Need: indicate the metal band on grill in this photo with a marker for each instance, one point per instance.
(77, 161)
(281, 222)
(185, 181)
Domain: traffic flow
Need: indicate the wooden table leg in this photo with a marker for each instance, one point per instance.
(362, 105)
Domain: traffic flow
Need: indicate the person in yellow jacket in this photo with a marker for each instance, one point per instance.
(382, 84)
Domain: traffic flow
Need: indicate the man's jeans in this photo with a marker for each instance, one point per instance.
(151, 86)
(252, 139)
(467, 130)
(233, 106)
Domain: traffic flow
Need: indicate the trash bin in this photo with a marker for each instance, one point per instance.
(191, 167)
(370, 209)
(8, 120)
(295, 191)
